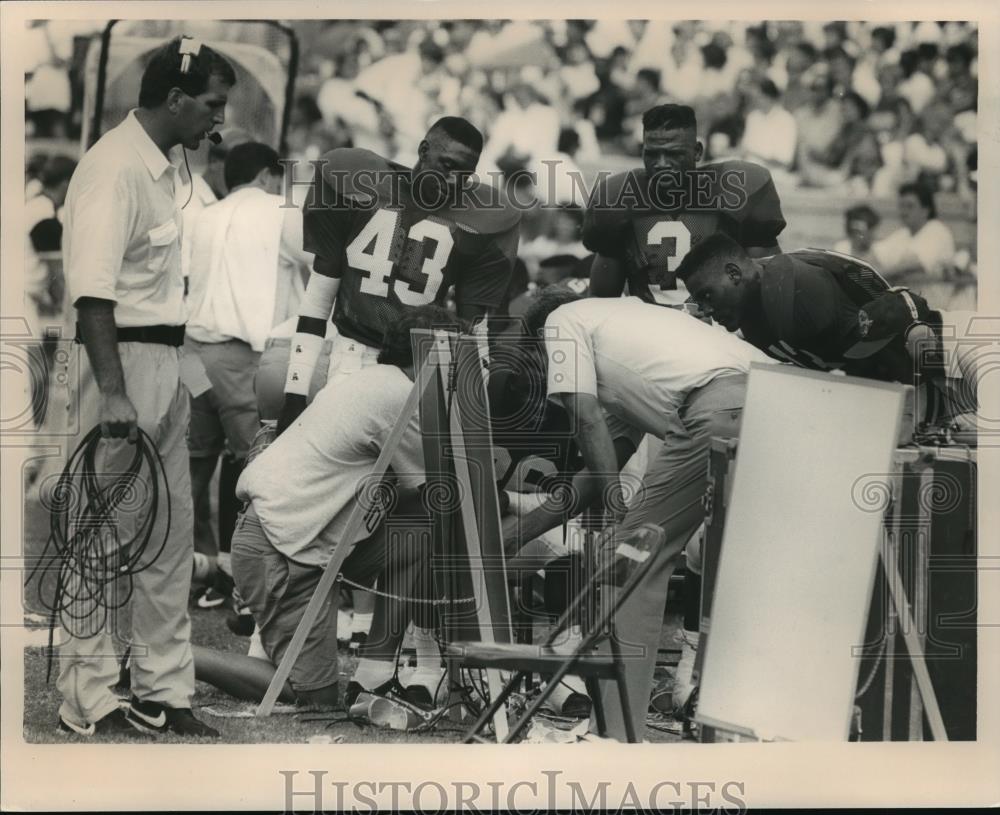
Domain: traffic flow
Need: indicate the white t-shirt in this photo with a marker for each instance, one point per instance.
(248, 267)
(639, 360)
(932, 247)
(304, 485)
(771, 136)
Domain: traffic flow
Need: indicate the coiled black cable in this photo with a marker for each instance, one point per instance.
(94, 566)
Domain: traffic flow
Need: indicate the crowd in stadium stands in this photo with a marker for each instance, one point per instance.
(854, 109)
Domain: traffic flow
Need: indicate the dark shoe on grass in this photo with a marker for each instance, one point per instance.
(115, 723)
(156, 719)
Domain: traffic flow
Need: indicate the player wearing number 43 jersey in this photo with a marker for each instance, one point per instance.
(641, 223)
(388, 238)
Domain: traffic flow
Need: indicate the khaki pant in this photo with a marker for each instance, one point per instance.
(673, 487)
(160, 631)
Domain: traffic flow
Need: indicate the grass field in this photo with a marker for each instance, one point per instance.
(209, 630)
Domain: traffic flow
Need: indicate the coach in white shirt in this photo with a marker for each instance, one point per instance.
(121, 252)
(623, 368)
(248, 272)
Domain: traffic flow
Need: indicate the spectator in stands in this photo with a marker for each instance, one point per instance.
(959, 88)
(644, 94)
(928, 59)
(618, 71)
(883, 42)
(853, 129)
(841, 70)
(33, 175)
(771, 132)
(917, 87)
(577, 73)
(799, 60)
(761, 48)
(867, 172)
(865, 80)
(922, 247)
(527, 129)
(605, 110)
(559, 180)
(561, 237)
(860, 224)
(925, 150)
(715, 78)
(819, 123)
(43, 278)
(339, 99)
(834, 35)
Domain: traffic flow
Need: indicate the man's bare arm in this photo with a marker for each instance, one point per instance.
(117, 414)
(607, 277)
(597, 483)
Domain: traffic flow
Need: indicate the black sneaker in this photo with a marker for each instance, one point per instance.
(154, 718)
(116, 723)
(240, 623)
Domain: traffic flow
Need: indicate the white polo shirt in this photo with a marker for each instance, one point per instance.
(122, 226)
(640, 360)
(305, 484)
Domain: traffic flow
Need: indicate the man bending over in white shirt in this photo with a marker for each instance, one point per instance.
(301, 491)
(623, 368)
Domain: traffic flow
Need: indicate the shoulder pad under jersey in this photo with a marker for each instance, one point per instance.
(609, 209)
(358, 174)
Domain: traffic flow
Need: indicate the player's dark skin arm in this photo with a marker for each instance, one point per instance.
(598, 482)
(118, 417)
(607, 277)
(295, 403)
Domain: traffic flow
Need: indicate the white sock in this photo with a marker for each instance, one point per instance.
(343, 625)
(371, 673)
(362, 623)
(201, 568)
(684, 678)
(568, 641)
(256, 646)
(428, 652)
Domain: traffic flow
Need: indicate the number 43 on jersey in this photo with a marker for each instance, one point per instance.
(369, 252)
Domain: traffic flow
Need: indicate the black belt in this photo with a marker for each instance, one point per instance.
(156, 334)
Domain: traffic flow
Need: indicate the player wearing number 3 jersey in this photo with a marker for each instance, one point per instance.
(388, 238)
(642, 222)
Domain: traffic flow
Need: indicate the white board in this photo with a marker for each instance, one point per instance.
(798, 555)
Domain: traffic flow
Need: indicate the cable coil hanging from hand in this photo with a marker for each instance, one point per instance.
(95, 567)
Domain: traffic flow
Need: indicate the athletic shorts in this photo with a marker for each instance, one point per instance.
(226, 414)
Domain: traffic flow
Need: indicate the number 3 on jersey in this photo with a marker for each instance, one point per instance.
(369, 252)
(678, 233)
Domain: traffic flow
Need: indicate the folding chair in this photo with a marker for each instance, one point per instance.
(634, 555)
